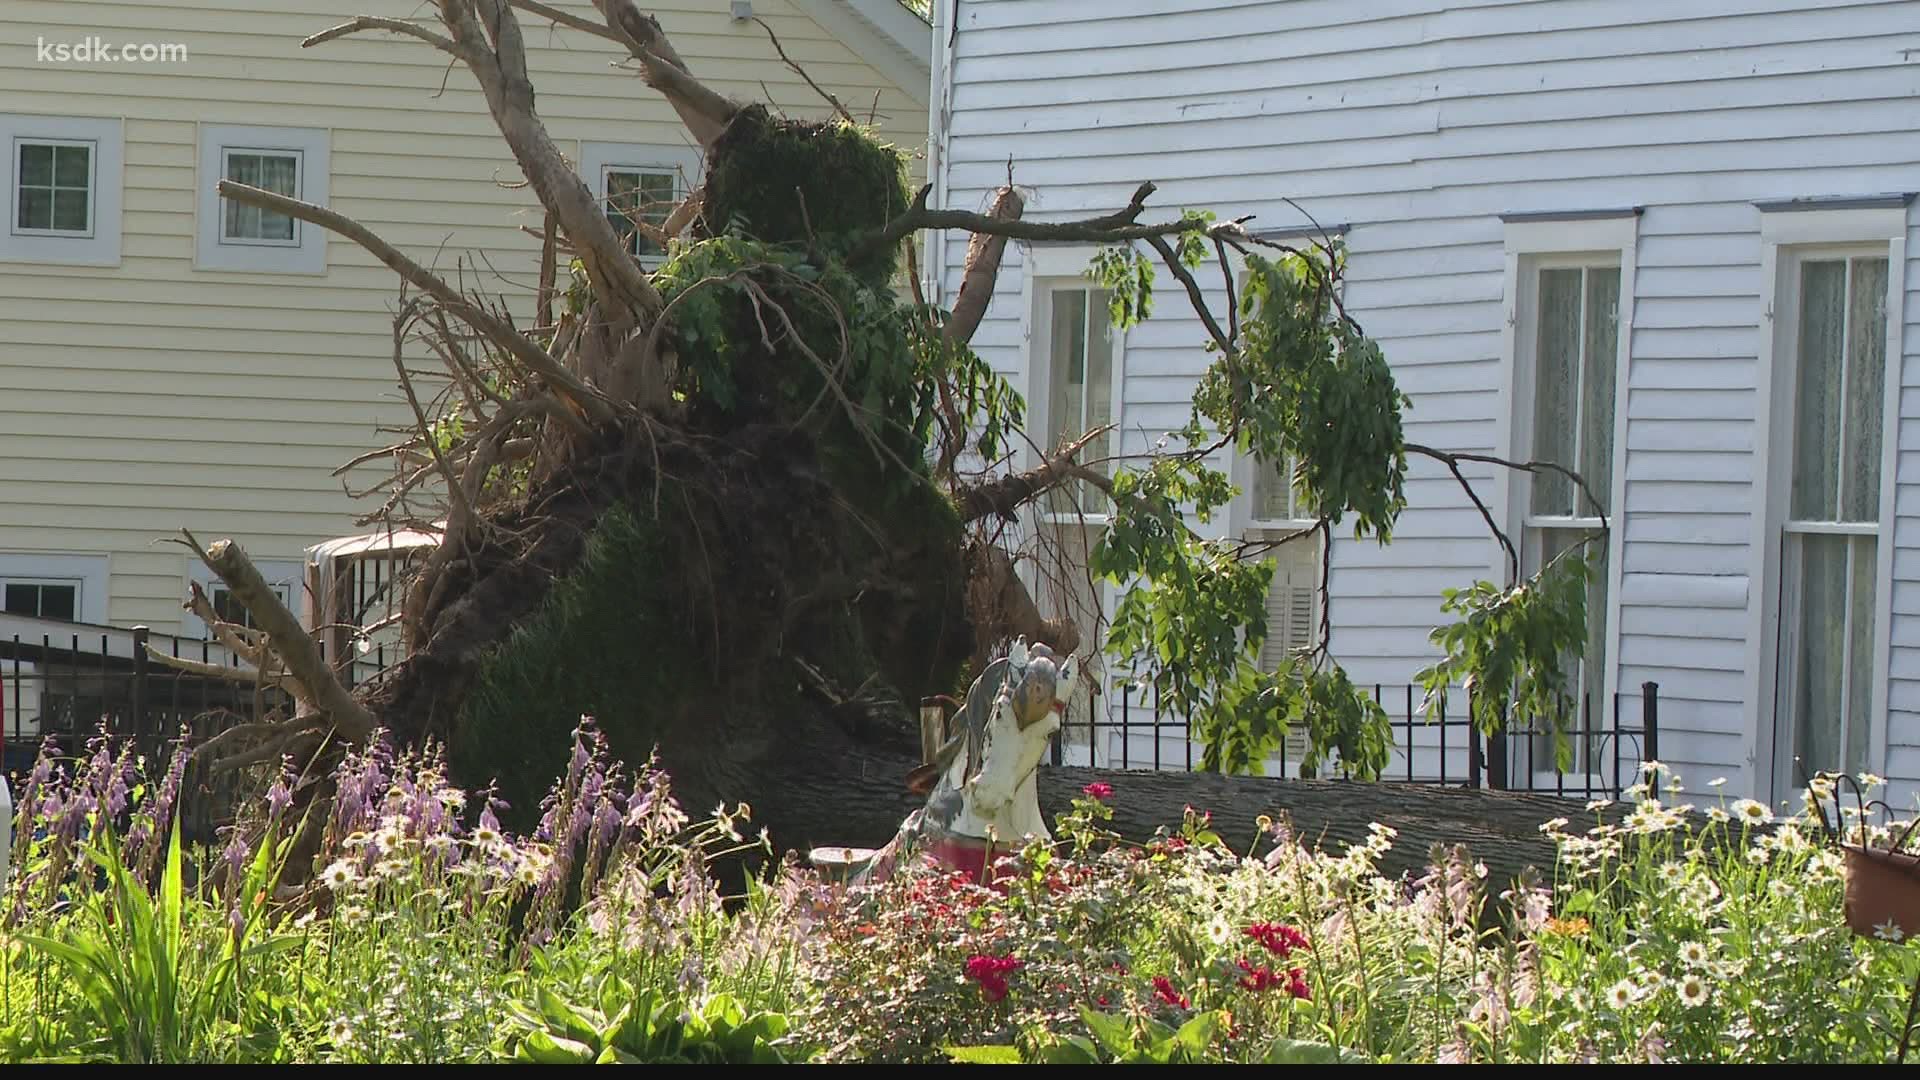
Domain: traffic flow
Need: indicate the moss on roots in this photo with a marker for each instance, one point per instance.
(812, 185)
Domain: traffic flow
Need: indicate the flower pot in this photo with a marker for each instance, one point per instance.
(1882, 887)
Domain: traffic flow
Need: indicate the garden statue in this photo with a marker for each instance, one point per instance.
(981, 782)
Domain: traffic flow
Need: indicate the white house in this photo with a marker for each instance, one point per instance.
(1663, 243)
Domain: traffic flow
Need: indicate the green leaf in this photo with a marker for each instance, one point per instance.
(1113, 1033)
(1286, 1051)
(982, 1055)
(541, 1048)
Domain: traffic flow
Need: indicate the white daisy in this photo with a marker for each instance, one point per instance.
(1890, 931)
(527, 874)
(1718, 781)
(1692, 989)
(1718, 815)
(341, 875)
(1599, 804)
(1751, 812)
(1621, 994)
(1219, 931)
(1693, 954)
(1870, 781)
(486, 837)
(340, 1032)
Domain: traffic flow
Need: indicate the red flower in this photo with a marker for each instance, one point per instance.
(1098, 790)
(1163, 989)
(1103, 1001)
(1278, 938)
(1259, 979)
(991, 973)
(1297, 985)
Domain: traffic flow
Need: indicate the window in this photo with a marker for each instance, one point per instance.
(54, 187)
(1574, 342)
(236, 236)
(1831, 535)
(1079, 394)
(283, 576)
(1823, 557)
(641, 197)
(43, 599)
(272, 170)
(63, 190)
(639, 186)
(1569, 289)
(67, 588)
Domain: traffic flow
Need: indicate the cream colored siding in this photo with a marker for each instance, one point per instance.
(138, 399)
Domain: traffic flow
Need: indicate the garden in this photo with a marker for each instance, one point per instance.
(627, 928)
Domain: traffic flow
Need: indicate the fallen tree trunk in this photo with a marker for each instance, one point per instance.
(863, 803)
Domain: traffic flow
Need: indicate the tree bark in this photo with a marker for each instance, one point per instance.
(863, 802)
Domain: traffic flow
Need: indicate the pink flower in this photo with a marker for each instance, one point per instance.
(1098, 790)
(991, 973)
(1163, 989)
(1278, 938)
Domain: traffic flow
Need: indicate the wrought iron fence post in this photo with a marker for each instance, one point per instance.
(138, 719)
(1476, 754)
(1497, 772)
(1650, 719)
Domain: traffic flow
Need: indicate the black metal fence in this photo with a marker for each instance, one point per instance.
(69, 688)
(1131, 730)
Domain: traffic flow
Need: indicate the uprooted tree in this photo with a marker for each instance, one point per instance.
(751, 508)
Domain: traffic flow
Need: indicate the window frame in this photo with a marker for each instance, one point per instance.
(288, 572)
(1051, 269)
(1791, 233)
(299, 166)
(1532, 242)
(89, 572)
(213, 249)
(17, 186)
(597, 159)
(99, 243)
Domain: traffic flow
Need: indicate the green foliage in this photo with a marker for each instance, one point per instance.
(1311, 389)
(990, 411)
(1664, 935)
(575, 655)
(148, 991)
(809, 185)
(1514, 650)
(1245, 721)
(1298, 385)
(645, 1028)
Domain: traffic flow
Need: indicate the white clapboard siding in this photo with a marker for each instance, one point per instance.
(140, 398)
(1417, 124)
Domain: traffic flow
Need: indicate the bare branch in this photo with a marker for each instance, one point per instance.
(315, 682)
(704, 112)
(249, 676)
(1452, 462)
(984, 252)
(1005, 494)
(1199, 301)
(394, 26)
(497, 330)
(838, 108)
(533, 7)
(1106, 229)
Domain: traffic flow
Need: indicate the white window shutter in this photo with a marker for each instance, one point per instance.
(1290, 600)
